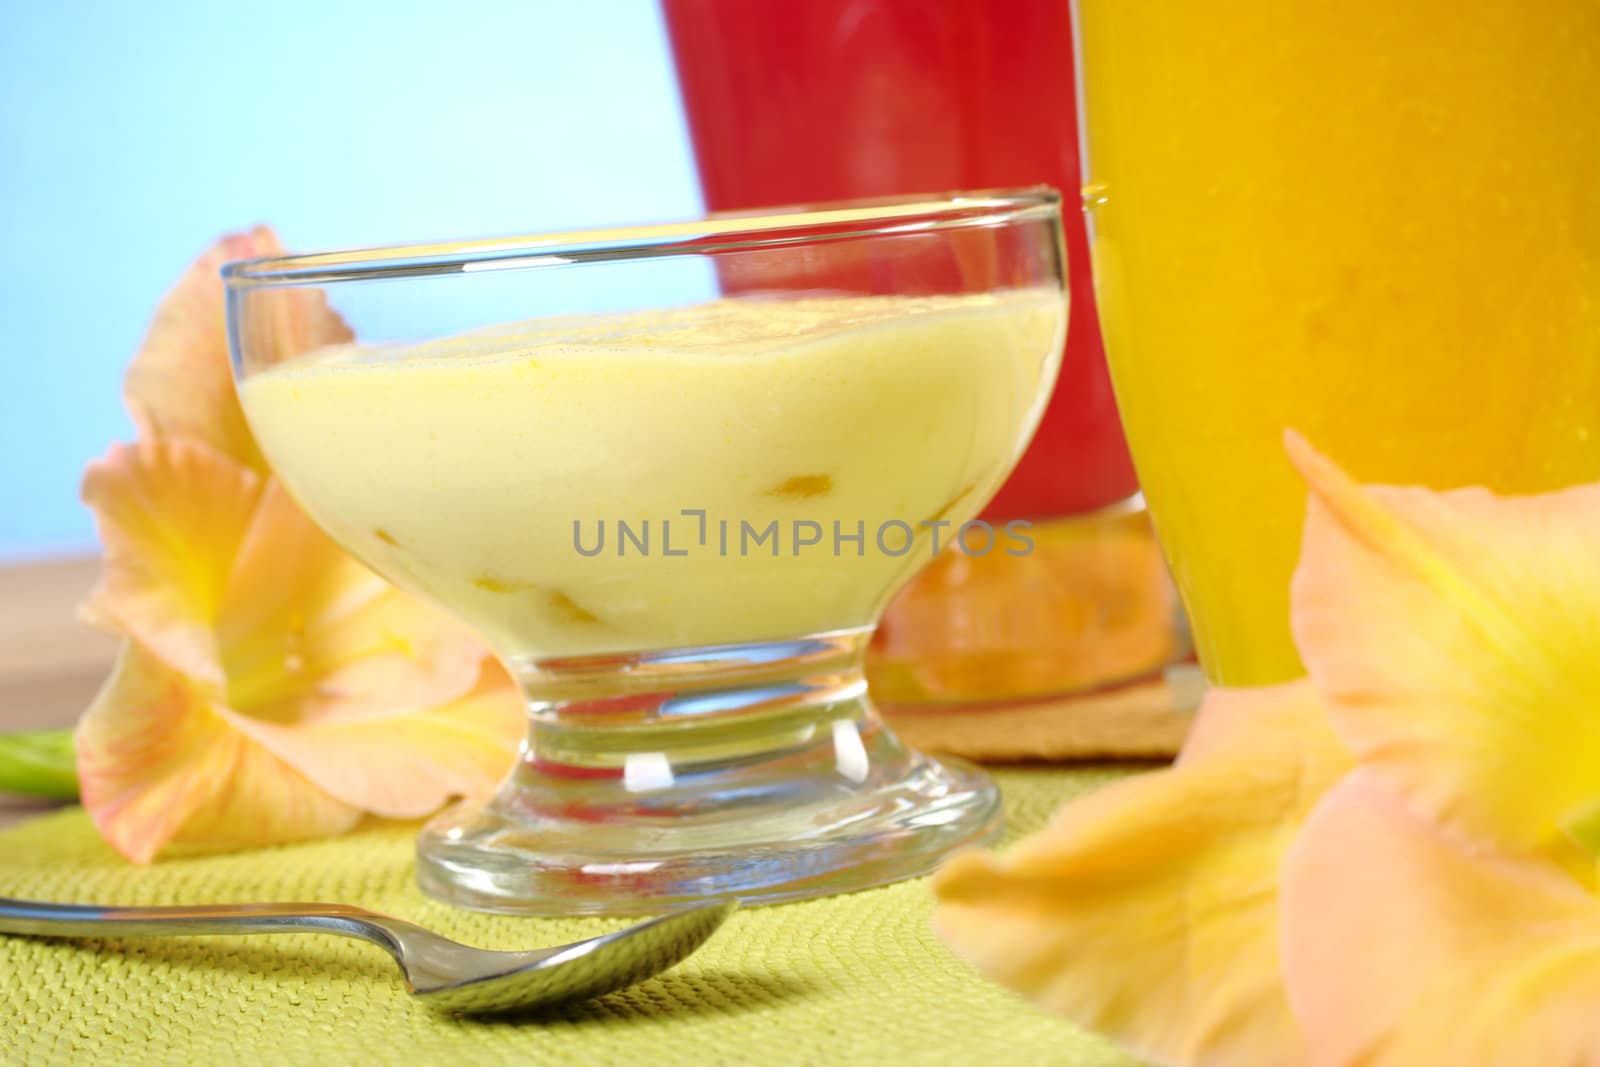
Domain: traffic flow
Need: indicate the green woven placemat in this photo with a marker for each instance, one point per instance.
(852, 979)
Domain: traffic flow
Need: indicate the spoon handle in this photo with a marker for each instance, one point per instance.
(84, 920)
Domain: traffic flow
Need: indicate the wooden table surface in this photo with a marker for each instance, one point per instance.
(50, 664)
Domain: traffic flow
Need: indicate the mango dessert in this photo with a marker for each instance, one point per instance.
(740, 470)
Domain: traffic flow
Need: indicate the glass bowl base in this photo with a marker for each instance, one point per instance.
(760, 772)
(787, 847)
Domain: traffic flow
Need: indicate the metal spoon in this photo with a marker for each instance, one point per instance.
(442, 973)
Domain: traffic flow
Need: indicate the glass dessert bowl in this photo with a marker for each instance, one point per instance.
(675, 516)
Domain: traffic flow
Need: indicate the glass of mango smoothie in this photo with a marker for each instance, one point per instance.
(675, 516)
(1375, 223)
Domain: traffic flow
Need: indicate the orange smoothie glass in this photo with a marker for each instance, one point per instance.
(1375, 223)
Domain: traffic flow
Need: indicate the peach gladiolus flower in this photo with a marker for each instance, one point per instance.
(1391, 863)
(270, 687)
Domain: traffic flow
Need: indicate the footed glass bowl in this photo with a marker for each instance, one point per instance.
(675, 516)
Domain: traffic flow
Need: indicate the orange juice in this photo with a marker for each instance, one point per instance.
(1377, 223)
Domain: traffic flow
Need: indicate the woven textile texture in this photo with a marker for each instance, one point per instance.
(855, 979)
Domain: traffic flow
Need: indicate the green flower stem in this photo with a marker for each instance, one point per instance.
(39, 763)
(1584, 828)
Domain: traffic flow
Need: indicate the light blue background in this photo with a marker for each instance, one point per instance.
(132, 134)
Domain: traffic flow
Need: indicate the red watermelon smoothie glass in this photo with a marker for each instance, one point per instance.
(831, 99)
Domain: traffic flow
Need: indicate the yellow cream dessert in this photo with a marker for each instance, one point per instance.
(685, 477)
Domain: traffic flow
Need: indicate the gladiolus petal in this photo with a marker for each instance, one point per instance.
(309, 633)
(1455, 638)
(160, 765)
(172, 516)
(406, 765)
(180, 383)
(1148, 910)
(1406, 945)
